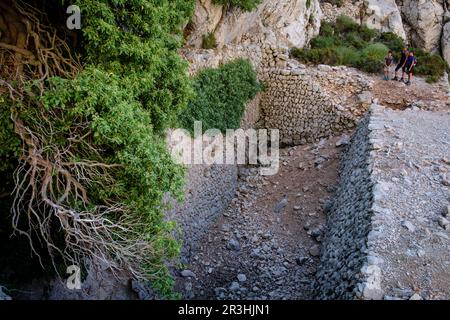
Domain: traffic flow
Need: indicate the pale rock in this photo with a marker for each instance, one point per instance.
(383, 15)
(423, 20)
(445, 42)
(289, 22)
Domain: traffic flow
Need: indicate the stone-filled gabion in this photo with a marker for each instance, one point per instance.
(344, 251)
(208, 191)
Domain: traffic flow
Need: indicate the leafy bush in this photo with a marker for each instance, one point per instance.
(347, 56)
(247, 5)
(209, 41)
(102, 132)
(221, 95)
(346, 24)
(347, 43)
(372, 57)
(366, 33)
(324, 42)
(354, 39)
(327, 29)
(316, 56)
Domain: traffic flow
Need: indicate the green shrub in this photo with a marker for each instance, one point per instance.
(353, 39)
(392, 41)
(247, 5)
(114, 112)
(372, 57)
(429, 64)
(308, 4)
(326, 29)
(347, 43)
(324, 42)
(346, 24)
(209, 41)
(366, 33)
(316, 56)
(347, 56)
(220, 96)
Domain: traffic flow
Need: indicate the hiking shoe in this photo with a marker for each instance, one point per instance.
(395, 78)
(408, 83)
(402, 80)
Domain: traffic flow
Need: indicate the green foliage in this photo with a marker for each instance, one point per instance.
(308, 4)
(337, 3)
(247, 5)
(347, 43)
(346, 24)
(347, 56)
(327, 29)
(10, 145)
(209, 41)
(324, 42)
(132, 87)
(372, 57)
(221, 95)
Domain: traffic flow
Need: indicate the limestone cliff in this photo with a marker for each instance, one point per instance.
(422, 23)
(288, 22)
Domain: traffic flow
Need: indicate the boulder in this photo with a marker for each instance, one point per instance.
(383, 15)
(423, 20)
(445, 42)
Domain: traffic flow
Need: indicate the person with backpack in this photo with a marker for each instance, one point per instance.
(401, 64)
(410, 63)
(388, 61)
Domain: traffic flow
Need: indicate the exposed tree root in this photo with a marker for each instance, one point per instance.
(49, 184)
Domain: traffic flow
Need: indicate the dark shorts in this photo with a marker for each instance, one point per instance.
(400, 66)
(408, 68)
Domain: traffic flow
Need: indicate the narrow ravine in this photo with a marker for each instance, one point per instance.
(266, 244)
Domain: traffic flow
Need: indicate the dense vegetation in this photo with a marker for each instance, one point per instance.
(83, 156)
(220, 96)
(247, 5)
(209, 41)
(88, 141)
(348, 43)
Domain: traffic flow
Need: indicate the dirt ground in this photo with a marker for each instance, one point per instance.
(397, 95)
(266, 244)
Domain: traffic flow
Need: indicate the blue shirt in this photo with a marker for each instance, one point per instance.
(411, 60)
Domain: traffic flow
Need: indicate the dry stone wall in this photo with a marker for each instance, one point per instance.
(387, 234)
(295, 103)
(344, 249)
(208, 191)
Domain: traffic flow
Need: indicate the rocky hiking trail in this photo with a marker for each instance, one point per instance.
(266, 244)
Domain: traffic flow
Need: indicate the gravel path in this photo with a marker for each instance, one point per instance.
(412, 167)
(266, 245)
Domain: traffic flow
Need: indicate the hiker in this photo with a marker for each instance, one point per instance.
(388, 60)
(401, 64)
(410, 63)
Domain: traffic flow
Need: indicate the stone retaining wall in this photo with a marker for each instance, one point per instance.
(387, 229)
(344, 250)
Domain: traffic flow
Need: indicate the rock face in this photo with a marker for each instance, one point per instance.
(445, 42)
(423, 21)
(288, 22)
(383, 15)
